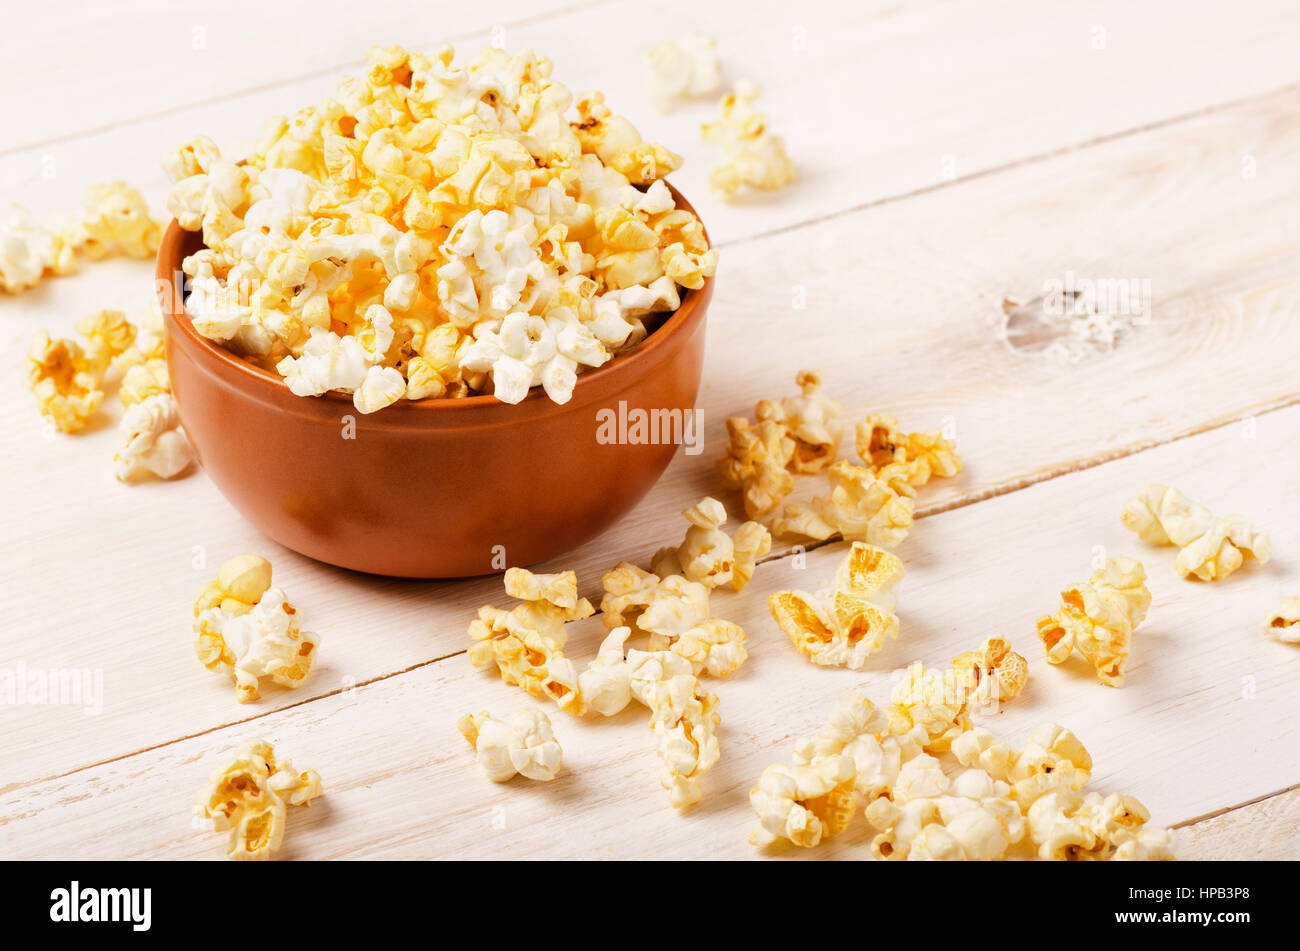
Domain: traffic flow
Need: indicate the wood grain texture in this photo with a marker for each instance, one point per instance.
(1263, 831)
(1207, 696)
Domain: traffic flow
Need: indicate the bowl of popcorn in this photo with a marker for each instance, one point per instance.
(407, 331)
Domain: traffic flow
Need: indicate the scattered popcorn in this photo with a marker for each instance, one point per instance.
(154, 441)
(1098, 618)
(708, 555)
(1212, 548)
(861, 506)
(682, 717)
(527, 642)
(509, 246)
(752, 156)
(523, 745)
(756, 459)
(714, 647)
(1284, 623)
(249, 627)
(881, 444)
(844, 624)
(250, 797)
(606, 682)
(682, 69)
(813, 421)
(27, 250)
(116, 221)
(992, 673)
(65, 380)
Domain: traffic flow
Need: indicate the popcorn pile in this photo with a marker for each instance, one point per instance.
(437, 230)
(1212, 548)
(250, 628)
(882, 762)
(250, 797)
(524, 745)
(115, 220)
(667, 609)
(844, 624)
(871, 503)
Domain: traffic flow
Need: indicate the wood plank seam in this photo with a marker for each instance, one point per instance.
(1187, 823)
(288, 81)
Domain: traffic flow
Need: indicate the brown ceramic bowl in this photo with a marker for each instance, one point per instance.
(434, 488)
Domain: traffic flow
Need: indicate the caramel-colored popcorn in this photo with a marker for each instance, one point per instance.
(880, 443)
(752, 156)
(66, 381)
(844, 624)
(1098, 619)
(527, 642)
(756, 460)
(709, 555)
(250, 797)
(1212, 548)
(861, 506)
(1284, 623)
(437, 230)
(523, 745)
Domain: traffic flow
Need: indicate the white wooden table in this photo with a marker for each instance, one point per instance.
(951, 155)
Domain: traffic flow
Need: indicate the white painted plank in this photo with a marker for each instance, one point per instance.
(900, 302)
(1183, 735)
(1262, 831)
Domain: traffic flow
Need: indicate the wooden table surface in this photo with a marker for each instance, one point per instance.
(951, 156)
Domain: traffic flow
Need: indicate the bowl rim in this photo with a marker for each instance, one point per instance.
(168, 264)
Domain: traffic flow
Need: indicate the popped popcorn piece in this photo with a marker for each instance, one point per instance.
(628, 592)
(110, 335)
(65, 380)
(523, 745)
(250, 797)
(527, 642)
(752, 156)
(756, 459)
(153, 438)
(27, 250)
(116, 221)
(844, 624)
(143, 380)
(861, 506)
(606, 682)
(262, 641)
(708, 555)
(1212, 548)
(510, 246)
(930, 706)
(813, 420)
(683, 719)
(714, 647)
(1284, 623)
(992, 673)
(1068, 826)
(1098, 619)
(240, 583)
(682, 69)
(880, 443)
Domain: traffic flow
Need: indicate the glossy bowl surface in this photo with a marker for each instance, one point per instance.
(434, 488)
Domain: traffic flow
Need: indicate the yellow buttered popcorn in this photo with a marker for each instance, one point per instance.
(1284, 623)
(437, 229)
(66, 381)
(110, 335)
(153, 439)
(813, 421)
(992, 673)
(880, 444)
(1098, 619)
(861, 506)
(1212, 548)
(522, 745)
(710, 556)
(752, 155)
(116, 221)
(527, 642)
(244, 624)
(756, 459)
(844, 624)
(250, 797)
